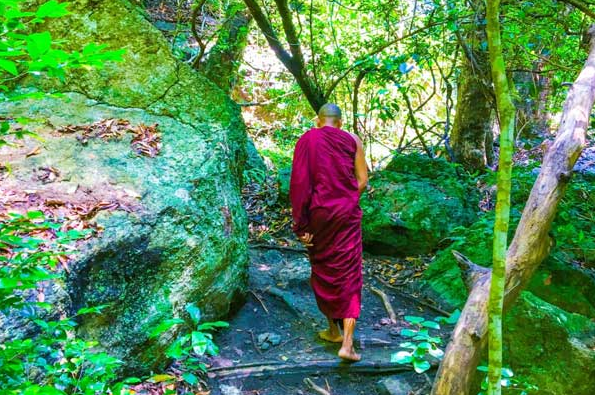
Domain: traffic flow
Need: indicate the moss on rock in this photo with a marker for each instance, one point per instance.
(185, 240)
(549, 347)
(414, 204)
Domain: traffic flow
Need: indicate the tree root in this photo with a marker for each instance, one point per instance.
(316, 388)
(263, 369)
(386, 302)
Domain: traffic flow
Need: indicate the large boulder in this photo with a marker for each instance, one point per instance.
(414, 203)
(549, 347)
(549, 330)
(182, 235)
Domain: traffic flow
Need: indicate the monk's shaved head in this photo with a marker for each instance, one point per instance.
(330, 110)
(329, 114)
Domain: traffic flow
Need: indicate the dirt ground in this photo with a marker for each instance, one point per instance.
(272, 343)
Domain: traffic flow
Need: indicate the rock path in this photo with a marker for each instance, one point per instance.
(272, 346)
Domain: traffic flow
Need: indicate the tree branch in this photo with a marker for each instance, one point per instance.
(290, 33)
(581, 6)
(359, 61)
(269, 33)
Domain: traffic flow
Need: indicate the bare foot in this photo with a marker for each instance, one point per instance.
(349, 354)
(326, 335)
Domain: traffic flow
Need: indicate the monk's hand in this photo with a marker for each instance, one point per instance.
(306, 239)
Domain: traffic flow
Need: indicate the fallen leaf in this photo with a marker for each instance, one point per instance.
(34, 151)
(160, 378)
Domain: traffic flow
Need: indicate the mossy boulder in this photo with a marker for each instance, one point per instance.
(413, 204)
(443, 279)
(549, 347)
(180, 234)
(564, 284)
(254, 160)
(547, 329)
(283, 179)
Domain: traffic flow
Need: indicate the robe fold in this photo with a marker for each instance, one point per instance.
(325, 202)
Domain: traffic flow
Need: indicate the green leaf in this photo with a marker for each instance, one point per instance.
(408, 345)
(175, 350)
(506, 372)
(165, 326)
(52, 9)
(190, 378)
(91, 310)
(199, 342)
(408, 332)
(132, 380)
(401, 357)
(431, 324)
(35, 214)
(194, 312)
(436, 352)
(424, 345)
(414, 319)
(160, 378)
(207, 326)
(9, 66)
(38, 44)
(421, 366)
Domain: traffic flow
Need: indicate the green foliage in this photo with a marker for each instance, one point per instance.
(53, 361)
(422, 344)
(194, 342)
(507, 381)
(254, 175)
(27, 52)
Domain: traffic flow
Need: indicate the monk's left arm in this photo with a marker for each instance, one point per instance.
(361, 168)
(300, 186)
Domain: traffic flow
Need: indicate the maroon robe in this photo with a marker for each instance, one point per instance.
(325, 202)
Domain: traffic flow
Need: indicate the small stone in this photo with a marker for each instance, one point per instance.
(395, 332)
(393, 385)
(229, 390)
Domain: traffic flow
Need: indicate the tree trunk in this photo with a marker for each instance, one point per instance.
(531, 243)
(506, 114)
(293, 60)
(534, 88)
(472, 129)
(224, 58)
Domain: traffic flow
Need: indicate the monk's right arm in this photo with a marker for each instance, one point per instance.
(361, 168)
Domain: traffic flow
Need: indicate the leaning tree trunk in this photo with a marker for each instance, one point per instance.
(531, 243)
(471, 136)
(224, 58)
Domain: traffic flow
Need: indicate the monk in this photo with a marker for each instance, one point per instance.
(329, 174)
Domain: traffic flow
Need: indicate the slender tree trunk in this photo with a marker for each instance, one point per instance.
(471, 135)
(530, 244)
(506, 113)
(224, 58)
